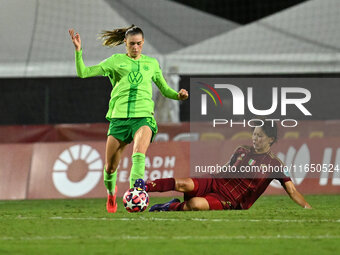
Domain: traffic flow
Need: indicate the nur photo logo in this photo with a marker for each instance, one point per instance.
(243, 101)
(204, 97)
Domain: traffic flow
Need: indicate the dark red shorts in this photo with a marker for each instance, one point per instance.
(204, 188)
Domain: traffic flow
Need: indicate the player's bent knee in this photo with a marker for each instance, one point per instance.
(198, 204)
(180, 186)
(183, 185)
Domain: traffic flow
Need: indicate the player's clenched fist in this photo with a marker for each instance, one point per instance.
(183, 94)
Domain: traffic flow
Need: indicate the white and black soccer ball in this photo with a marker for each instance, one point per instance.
(136, 200)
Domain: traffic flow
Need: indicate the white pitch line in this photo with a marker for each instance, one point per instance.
(8, 238)
(183, 219)
(128, 237)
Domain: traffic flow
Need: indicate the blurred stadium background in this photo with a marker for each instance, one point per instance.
(53, 126)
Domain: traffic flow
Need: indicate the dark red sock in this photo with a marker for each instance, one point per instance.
(177, 206)
(160, 185)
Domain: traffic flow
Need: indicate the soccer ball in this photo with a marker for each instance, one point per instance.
(136, 200)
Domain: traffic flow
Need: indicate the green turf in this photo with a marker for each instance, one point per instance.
(274, 225)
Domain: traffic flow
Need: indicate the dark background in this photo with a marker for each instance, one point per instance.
(54, 100)
(323, 105)
(241, 11)
(75, 100)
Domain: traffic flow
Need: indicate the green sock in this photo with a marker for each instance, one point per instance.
(110, 181)
(138, 167)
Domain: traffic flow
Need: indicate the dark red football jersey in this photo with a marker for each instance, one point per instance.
(243, 192)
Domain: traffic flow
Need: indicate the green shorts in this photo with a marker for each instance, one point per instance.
(124, 129)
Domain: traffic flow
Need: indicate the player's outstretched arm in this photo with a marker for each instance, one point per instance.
(82, 70)
(166, 91)
(295, 195)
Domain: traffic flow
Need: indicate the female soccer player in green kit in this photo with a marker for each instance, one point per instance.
(131, 107)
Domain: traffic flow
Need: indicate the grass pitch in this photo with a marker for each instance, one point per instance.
(274, 225)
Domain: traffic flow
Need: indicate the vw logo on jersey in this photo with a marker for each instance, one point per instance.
(135, 78)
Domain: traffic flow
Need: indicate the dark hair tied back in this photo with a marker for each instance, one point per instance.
(116, 37)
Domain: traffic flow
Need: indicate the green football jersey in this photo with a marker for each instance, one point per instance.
(131, 95)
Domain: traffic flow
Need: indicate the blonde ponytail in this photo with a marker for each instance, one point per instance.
(117, 36)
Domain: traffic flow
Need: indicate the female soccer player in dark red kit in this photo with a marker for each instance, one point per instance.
(230, 193)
